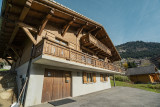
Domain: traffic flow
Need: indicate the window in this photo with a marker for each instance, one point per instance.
(103, 77)
(61, 42)
(89, 77)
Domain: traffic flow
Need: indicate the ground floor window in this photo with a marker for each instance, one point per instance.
(89, 77)
(103, 77)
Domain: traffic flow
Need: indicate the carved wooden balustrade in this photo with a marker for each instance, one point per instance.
(57, 50)
(90, 41)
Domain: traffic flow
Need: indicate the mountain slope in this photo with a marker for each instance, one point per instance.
(138, 49)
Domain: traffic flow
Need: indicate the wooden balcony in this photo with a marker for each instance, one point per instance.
(57, 50)
(95, 45)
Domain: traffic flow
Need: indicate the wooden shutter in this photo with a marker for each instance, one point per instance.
(84, 77)
(94, 77)
(106, 77)
(101, 77)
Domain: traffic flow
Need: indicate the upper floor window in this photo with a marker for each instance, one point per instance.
(61, 42)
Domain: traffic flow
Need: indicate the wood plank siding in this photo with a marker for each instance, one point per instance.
(56, 85)
(146, 78)
(31, 21)
(56, 49)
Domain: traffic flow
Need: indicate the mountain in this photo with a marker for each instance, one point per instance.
(139, 49)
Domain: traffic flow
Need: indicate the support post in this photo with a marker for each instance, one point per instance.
(114, 80)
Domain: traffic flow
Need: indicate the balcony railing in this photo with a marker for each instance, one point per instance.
(91, 40)
(57, 50)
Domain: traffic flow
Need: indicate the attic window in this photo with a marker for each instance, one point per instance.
(61, 41)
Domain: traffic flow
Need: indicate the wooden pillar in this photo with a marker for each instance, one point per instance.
(114, 80)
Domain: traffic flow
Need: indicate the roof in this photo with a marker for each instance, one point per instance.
(141, 70)
(13, 9)
(156, 58)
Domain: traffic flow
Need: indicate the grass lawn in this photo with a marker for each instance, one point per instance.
(148, 87)
(3, 69)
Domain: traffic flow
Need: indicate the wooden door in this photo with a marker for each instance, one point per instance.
(47, 86)
(56, 85)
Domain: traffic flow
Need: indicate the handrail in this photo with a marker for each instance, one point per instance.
(56, 49)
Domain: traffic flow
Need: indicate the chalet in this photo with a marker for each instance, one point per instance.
(57, 51)
(147, 74)
(156, 61)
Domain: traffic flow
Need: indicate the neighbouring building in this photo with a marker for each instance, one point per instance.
(59, 51)
(156, 61)
(146, 74)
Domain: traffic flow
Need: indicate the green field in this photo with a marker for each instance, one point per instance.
(148, 87)
(3, 69)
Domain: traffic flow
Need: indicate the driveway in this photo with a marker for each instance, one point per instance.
(114, 97)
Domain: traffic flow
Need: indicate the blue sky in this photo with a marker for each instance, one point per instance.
(124, 20)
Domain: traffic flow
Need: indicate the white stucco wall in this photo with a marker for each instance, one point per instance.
(35, 86)
(21, 71)
(80, 89)
(34, 92)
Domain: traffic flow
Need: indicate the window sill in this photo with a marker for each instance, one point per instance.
(104, 81)
(89, 83)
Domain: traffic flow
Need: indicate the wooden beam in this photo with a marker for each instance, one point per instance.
(25, 10)
(14, 50)
(29, 35)
(13, 34)
(20, 24)
(97, 32)
(8, 62)
(66, 27)
(92, 29)
(80, 29)
(86, 49)
(8, 58)
(44, 22)
(7, 52)
(21, 18)
(103, 37)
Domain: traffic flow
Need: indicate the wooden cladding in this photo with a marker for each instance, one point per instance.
(61, 51)
(89, 77)
(90, 41)
(56, 85)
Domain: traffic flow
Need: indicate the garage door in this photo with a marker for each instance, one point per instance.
(56, 85)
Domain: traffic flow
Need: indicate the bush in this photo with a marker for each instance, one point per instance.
(122, 78)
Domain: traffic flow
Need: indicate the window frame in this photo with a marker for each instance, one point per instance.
(62, 42)
(89, 77)
(104, 77)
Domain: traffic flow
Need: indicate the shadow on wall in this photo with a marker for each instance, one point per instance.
(8, 87)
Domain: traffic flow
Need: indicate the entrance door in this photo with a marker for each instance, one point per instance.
(56, 85)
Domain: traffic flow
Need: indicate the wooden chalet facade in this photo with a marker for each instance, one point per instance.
(147, 74)
(59, 51)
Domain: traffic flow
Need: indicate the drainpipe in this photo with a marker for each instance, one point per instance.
(114, 80)
(28, 73)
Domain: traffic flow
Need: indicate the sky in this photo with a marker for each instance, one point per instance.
(124, 20)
